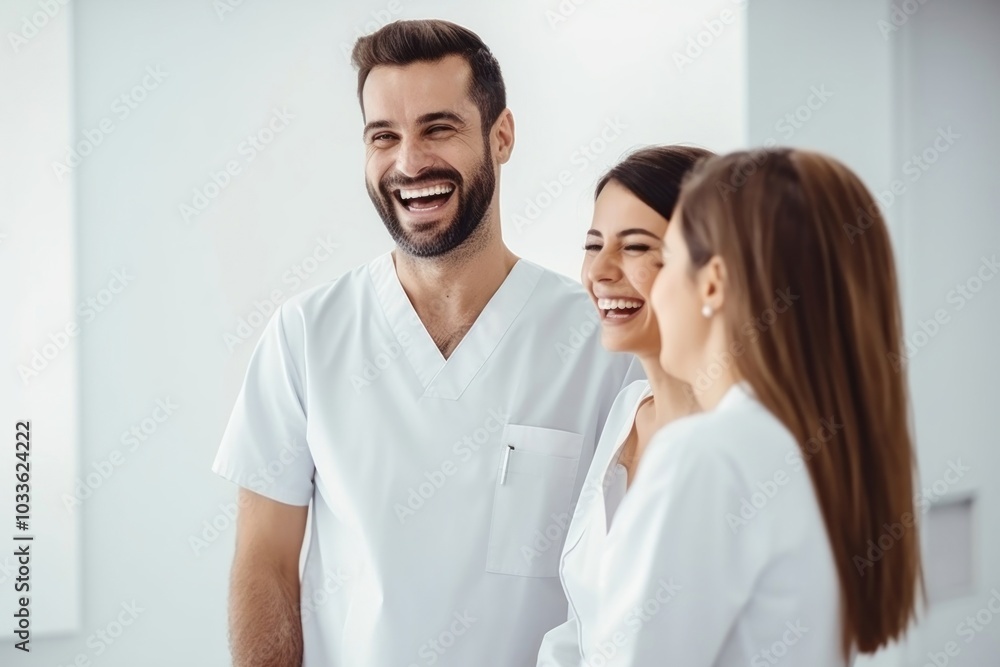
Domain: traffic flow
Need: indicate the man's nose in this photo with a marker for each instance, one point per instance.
(412, 158)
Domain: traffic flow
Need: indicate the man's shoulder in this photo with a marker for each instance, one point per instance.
(559, 288)
(346, 290)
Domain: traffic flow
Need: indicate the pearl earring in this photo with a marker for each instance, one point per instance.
(707, 311)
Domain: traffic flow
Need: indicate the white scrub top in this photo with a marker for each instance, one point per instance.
(602, 491)
(418, 554)
(716, 556)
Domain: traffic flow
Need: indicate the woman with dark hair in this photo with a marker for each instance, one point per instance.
(633, 204)
(746, 536)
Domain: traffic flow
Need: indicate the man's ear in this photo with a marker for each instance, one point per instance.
(503, 136)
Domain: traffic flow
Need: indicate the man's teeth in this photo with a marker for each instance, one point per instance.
(611, 304)
(426, 192)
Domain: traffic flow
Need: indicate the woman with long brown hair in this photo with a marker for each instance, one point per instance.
(746, 537)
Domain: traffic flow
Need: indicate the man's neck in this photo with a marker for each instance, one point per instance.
(448, 293)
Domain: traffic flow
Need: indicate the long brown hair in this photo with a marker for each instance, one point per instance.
(785, 219)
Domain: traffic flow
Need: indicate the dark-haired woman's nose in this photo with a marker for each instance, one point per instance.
(605, 267)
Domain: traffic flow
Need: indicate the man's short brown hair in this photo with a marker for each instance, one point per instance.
(404, 42)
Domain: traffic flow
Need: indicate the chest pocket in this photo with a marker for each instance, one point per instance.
(531, 505)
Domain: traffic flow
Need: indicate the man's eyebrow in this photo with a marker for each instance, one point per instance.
(376, 125)
(440, 115)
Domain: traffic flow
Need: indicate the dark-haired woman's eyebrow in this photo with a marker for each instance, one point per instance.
(638, 230)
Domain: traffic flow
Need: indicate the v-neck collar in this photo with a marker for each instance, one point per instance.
(448, 378)
(606, 461)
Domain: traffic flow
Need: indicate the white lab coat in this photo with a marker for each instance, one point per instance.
(417, 554)
(717, 555)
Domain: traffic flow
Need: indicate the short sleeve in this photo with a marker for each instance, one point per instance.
(264, 445)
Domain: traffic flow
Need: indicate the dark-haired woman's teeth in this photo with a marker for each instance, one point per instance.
(614, 304)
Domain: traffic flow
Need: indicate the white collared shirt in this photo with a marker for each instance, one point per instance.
(717, 555)
(417, 554)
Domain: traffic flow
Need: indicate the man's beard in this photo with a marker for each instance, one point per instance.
(474, 201)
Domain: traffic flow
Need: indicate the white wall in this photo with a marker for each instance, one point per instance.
(819, 76)
(896, 79)
(38, 298)
(949, 68)
(219, 78)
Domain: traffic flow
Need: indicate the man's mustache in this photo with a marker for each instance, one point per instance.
(391, 183)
